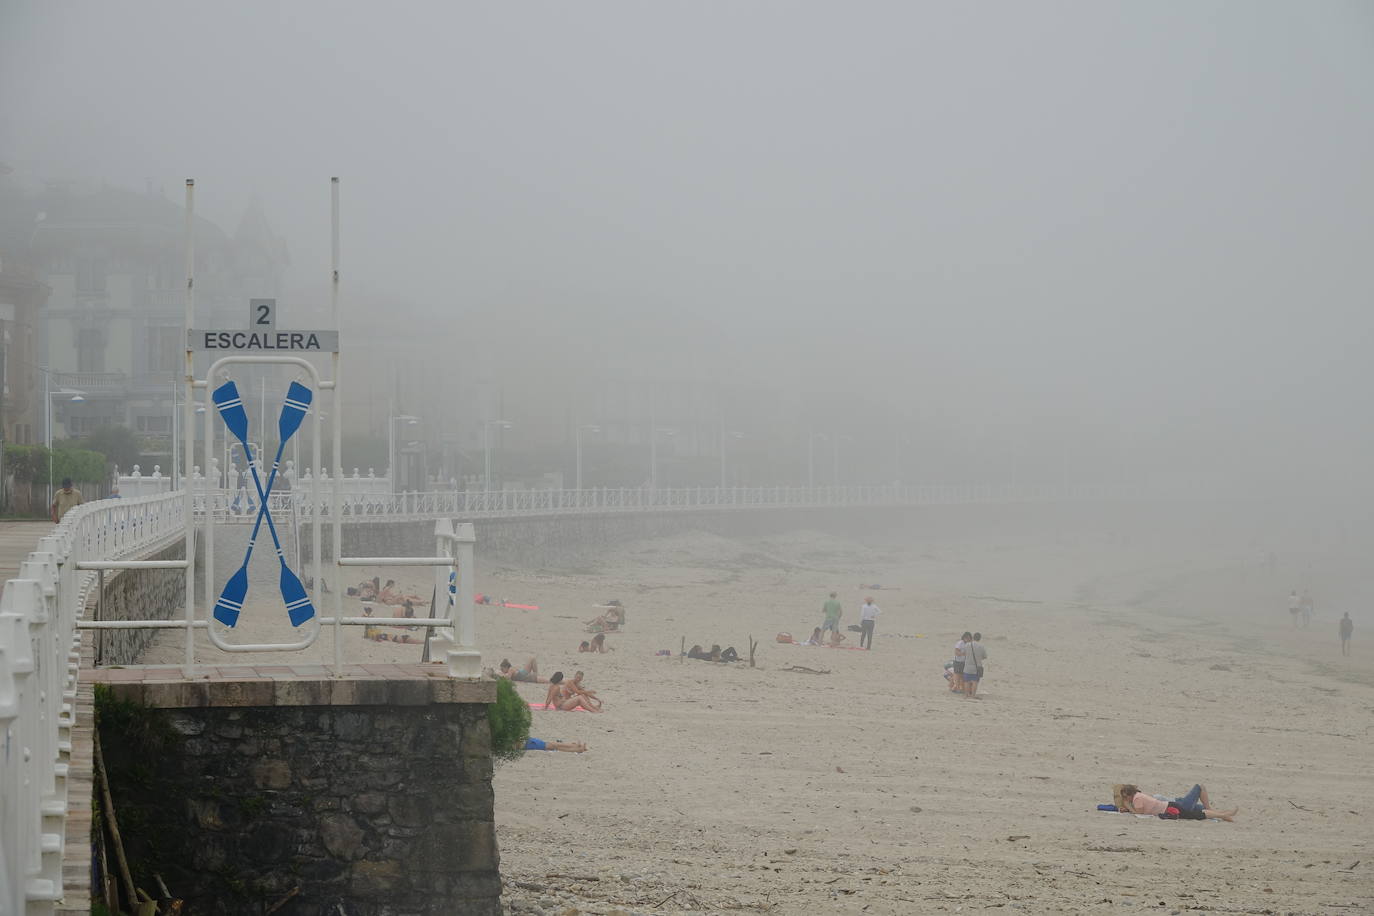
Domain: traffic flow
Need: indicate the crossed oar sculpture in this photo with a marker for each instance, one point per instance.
(230, 407)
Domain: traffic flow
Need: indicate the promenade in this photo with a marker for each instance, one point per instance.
(18, 539)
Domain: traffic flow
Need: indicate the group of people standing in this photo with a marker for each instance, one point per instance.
(833, 611)
(966, 670)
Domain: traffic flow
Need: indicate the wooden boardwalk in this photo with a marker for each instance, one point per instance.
(18, 539)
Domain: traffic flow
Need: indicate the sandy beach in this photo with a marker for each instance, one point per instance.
(1121, 649)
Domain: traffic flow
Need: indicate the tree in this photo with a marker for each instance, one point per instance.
(119, 446)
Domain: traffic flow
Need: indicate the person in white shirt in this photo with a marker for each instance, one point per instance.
(868, 619)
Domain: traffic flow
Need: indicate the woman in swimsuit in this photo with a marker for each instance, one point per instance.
(560, 697)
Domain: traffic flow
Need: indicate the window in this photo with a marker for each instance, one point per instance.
(81, 426)
(154, 424)
(166, 349)
(90, 350)
(90, 275)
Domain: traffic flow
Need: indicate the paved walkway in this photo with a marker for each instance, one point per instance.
(17, 541)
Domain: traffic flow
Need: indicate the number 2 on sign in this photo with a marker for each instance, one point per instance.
(262, 314)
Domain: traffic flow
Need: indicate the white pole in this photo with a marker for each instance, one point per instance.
(175, 383)
(811, 459)
(653, 454)
(722, 454)
(188, 521)
(391, 443)
(486, 454)
(336, 500)
(579, 459)
(47, 429)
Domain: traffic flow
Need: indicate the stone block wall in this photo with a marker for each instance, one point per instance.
(247, 794)
(138, 594)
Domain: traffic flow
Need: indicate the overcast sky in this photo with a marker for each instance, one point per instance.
(1152, 218)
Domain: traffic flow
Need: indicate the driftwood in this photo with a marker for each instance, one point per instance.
(107, 800)
(805, 670)
(753, 644)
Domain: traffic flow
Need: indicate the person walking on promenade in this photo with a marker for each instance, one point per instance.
(1347, 629)
(833, 612)
(868, 619)
(64, 500)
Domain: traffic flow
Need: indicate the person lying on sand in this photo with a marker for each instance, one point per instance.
(539, 744)
(1193, 806)
(715, 655)
(528, 674)
(560, 697)
(366, 590)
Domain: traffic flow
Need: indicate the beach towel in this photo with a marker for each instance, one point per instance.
(556, 709)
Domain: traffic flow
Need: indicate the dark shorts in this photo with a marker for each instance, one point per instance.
(830, 625)
(972, 677)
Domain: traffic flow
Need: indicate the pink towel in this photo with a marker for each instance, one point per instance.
(556, 709)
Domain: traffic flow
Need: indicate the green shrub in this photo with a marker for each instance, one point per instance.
(509, 718)
(29, 464)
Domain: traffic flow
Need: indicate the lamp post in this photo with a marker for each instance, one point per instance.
(391, 445)
(724, 434)
(486, 448)
(48, 395)
(589, 428)
(811, 438)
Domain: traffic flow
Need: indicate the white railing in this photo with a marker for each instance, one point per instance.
(39, 661)
(468, 504)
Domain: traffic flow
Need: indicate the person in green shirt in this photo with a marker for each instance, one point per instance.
(833, 613)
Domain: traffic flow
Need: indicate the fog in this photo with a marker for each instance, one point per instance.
(1067, 241)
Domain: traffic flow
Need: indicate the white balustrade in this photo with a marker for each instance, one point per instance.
(39, 658)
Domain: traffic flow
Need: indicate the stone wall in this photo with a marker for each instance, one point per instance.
(377, 805)
(138, 594)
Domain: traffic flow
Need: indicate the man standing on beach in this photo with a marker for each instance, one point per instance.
(1347, 630)
(832, 619)
(974, 655)
(1294, 607)
(868, 619)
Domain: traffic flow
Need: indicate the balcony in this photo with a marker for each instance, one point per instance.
(92, 383)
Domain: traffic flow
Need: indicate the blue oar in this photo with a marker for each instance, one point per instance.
(230, 406)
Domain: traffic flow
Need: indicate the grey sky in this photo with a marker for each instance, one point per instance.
(1030, 218)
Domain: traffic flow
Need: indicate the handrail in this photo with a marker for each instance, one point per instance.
(39, 661)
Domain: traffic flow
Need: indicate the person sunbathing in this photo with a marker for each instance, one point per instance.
(575, 686)
(528, 674)
(365, 590)
(1195, 805)
(598, 644)
(539, 744)
(612, 620)
(392, 594)
(560, 697)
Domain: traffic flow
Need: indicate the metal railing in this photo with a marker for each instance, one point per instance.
(514, 503)
(39, 664)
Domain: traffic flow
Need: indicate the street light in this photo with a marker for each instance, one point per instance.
(486, 448)
(391, 445)
(590, 428)
(723, 436)
(48, 394)
(811, 458)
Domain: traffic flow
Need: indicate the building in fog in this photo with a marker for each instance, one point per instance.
(110, 335)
